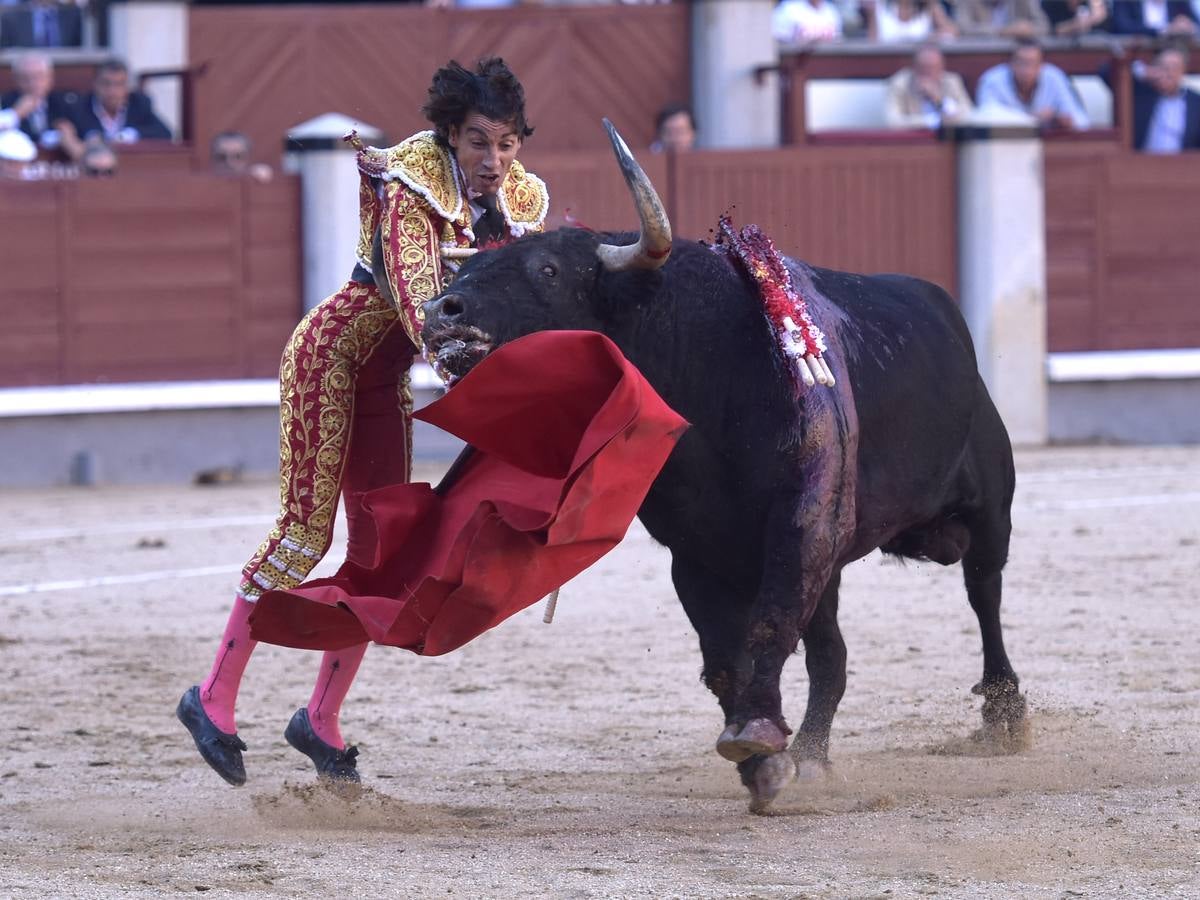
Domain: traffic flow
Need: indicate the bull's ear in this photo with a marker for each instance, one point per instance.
(379, 270)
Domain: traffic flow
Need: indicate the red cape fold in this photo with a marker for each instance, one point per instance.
(565, 437)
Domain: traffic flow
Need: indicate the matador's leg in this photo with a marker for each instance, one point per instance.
(317, 386)
(380, 453)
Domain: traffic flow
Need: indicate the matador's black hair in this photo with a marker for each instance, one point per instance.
(492, 90)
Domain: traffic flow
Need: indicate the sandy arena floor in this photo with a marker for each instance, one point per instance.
(576, 760)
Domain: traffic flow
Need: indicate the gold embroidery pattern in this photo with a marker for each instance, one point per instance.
(412, 256)
(368, 218)
(316, 405)
(525, 199)
(426, 167)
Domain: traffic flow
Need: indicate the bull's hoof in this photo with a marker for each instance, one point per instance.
(771, 777)
(810, 770)
(1005, 721)
(758, 737)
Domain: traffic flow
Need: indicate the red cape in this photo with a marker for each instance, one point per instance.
(565, 437)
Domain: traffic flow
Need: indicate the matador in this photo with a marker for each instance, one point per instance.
(345, 398)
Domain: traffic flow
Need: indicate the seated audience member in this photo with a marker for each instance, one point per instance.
(1166, 114)
(906, 21)
(42, 23)
(1030, 85)
(675, 128)
(41, 112)
(98, 161)
(1071, 18)
(1000, 18)
(806, 21)
(114, 113)
(924, 95)
(1153, 17)
(229, 154)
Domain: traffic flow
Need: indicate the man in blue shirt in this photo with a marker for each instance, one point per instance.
(1166, 115)
(1028, 84)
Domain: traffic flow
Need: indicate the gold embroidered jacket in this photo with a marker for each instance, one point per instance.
(414, 193)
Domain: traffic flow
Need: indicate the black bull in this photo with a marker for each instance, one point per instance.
(766, 498)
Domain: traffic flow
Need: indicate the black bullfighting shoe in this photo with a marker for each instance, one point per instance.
(220, 750)
(332, 764)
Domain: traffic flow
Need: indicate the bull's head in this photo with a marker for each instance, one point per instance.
(560, 280)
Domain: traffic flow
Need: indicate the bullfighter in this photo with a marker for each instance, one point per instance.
(345, 399)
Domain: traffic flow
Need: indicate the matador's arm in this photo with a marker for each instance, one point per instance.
(406, 255)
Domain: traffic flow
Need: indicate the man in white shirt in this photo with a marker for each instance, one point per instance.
(1030, 85)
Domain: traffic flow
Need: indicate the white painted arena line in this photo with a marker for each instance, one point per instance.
(1054, 477)
(52, 534)
(1117, 502)
(78, 584)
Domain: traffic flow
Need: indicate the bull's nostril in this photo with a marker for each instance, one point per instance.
(452, 307)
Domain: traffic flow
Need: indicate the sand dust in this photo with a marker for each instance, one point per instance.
(576, 760)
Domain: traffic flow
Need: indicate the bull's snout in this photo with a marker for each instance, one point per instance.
(446, 309)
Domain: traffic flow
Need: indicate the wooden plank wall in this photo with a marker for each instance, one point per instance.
(861, 209)
(1121, 232)
(149, 277)
(145, 279)
(267, 69)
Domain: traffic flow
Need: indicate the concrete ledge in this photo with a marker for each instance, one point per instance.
(75, 399)
(1125, 397)
(161, 433)
(169, 432)
(1122, 365)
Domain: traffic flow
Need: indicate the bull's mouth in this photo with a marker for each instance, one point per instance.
(457, 349)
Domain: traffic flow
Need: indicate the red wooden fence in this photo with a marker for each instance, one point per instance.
(1121, 232)
(147, 278)
(267, 69)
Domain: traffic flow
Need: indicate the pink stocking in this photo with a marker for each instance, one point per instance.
(338, 668)
(218, 695)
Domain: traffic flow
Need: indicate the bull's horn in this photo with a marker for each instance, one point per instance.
(654, 243)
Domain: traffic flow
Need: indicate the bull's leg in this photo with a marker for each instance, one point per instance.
(797, 566)
(808, 756)
(718, 612)
(825, 659)
(1003, 703)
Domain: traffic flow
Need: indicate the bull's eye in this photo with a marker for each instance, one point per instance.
(549, 271)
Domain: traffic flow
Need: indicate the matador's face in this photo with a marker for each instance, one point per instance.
(485, 150)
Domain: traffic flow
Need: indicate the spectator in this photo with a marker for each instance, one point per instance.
(1151, 18)
(900, 21)
(806, 21)
(1028, 84)
(1166, 114)
(98, 161)
(229, 154)
(1001, 18)
(924, 95)
(675, 127)
(42, 23)
(43, 113)
(115, 113)
(1071, 18)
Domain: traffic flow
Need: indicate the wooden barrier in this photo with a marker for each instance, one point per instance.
(1121, 233)
(171, 275)
(266, 69)
(147, 278)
